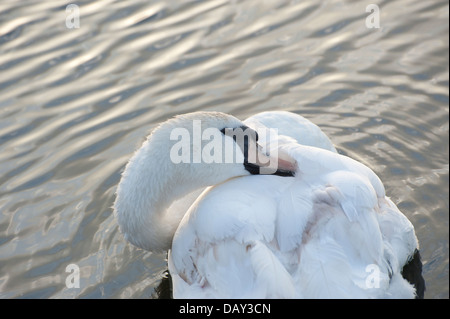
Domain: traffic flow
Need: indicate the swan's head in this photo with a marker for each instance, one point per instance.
(214, 147)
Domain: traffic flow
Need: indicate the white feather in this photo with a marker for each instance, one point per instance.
(314, 235)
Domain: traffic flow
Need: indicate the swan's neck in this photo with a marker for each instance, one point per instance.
(150, 184)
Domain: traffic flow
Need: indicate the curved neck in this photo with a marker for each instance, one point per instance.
(149, 185)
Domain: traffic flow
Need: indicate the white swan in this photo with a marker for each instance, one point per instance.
(327, 232)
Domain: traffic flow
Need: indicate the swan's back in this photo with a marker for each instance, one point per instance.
(293, 125)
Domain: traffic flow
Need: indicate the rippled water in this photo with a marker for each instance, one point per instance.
(75, 103)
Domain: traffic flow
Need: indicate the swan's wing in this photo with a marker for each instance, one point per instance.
(210, 270)
(401, 241)
(299, 243)
(293, 125)
(374, 234)
(397, 231)
(229, 269)
(220, 249)
(328, 232)
(332, 225)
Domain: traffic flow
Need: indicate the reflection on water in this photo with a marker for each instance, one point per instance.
(75, 103)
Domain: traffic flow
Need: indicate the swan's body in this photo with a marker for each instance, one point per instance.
(328, 232)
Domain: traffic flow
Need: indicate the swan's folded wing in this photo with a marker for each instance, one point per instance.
(398, 231)
(229, 269)
(213, 270)
(218, 249)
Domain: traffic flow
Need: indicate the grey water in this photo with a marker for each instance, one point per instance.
(77, 97)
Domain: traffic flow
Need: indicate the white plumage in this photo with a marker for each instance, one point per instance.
(328, 232)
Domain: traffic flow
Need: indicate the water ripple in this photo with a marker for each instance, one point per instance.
(75, 103)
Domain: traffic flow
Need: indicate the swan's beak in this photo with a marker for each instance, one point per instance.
(281, 165)
(286, 167)
(256, 160)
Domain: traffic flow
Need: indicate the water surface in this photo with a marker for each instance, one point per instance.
(75, 103)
